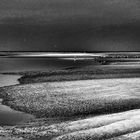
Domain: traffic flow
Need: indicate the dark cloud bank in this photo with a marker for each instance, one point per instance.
(69, 25)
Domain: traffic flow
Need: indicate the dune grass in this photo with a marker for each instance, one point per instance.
(73, 98)
(85, 109)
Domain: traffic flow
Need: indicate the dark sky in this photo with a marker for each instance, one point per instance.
(69, 25)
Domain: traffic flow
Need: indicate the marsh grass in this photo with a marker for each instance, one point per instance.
(71, 105)
(73, 98)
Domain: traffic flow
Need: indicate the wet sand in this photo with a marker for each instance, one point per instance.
(7, 80)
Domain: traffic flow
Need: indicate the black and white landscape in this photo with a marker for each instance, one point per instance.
(69, 70)
(70, 95)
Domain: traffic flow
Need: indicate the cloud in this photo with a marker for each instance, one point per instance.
(69, 25)
(96, 12)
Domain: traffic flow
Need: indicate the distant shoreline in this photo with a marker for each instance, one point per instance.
(77, 73)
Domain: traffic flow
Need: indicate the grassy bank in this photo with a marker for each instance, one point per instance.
(72, 98)
(72, 103)
(81, 73)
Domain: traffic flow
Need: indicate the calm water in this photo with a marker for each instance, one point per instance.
(37, 64)
(34, 61)
(9, 116)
